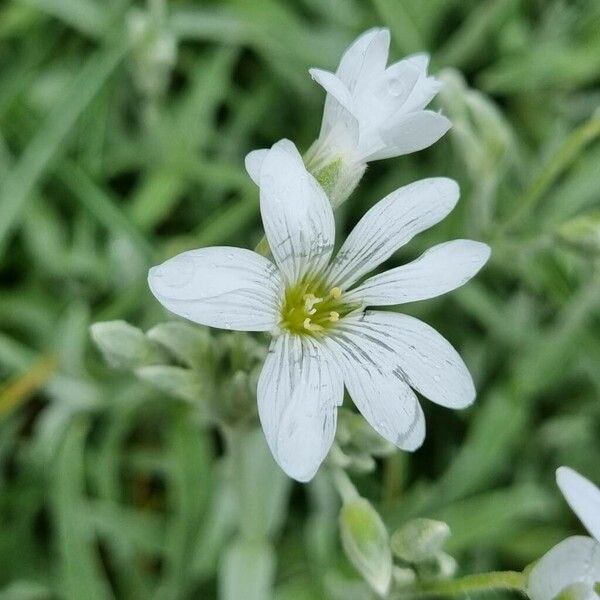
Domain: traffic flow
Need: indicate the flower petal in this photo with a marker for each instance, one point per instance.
(339, 128)
(390, 224)
(574, 561)
(384, 399)
(334, 86)
(296, 214)
(411, 132)
(253, 162)
(397, 84)
(422, 94)
(365, 58)
(419, 354)
(298, 394)
(419, 60)
(583, 497)
(439, 270)
(229, 288)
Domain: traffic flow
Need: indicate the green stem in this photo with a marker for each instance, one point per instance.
(343, 485)
(481, 582)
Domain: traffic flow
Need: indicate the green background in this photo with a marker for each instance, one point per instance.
(119, 150)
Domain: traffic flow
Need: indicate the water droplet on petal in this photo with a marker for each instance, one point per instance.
(395, 87)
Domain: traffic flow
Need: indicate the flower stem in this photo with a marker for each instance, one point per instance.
(343, 485)
(481, 582)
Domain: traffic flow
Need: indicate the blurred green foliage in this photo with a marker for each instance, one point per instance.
(123, 130)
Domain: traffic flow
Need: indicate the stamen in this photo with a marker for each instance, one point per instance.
(311, 326)
(334, 316)
(336, 293)
(309, 301)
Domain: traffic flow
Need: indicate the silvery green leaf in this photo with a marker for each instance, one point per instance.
(419, 540)
(189, 344)
(366, 543)
(181, 383)
(243, 350)
(262, 489)
(125, 346)
(247, 570)
(354, 430)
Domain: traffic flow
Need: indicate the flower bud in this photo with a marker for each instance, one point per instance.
(480, 132)
(124, 346)
(356, 433)
(190, 345)
(180, 383)
(154, 52)
(365, 541)
(337, 177)
(441, 566)
(419, 540)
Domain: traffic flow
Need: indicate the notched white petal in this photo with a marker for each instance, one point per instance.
(412, 132)
(253, 163)
(439, 270)
(390, 224)
(296, 214)
(334, 86)
(420, 356)
(420, 60)
(298, 394)
(365, 58)
(384, 399)
(583, 497)
(573, 562)
(229, 288)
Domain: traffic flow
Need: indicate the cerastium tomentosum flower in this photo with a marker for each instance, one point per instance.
(571, 570)
(315, 309)
(371, 112)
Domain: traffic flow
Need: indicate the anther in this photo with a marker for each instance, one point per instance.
(311, 326)
(334, 316)
(335, 293)
(310, 300)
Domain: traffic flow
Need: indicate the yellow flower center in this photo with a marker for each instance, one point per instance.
(310, 309)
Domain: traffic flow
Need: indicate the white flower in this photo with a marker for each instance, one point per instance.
(373, 112)
(583, 497)
(571, 569)
(315, 309)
